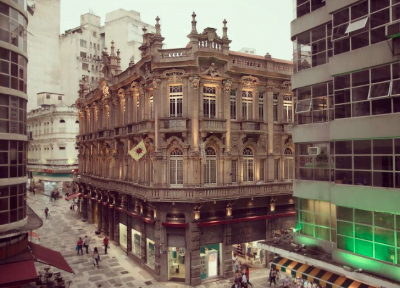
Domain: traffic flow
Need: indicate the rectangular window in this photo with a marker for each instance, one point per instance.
(262, 169)
(151, 107)
(59, 97)
(47, 96)
(62, 148)
(209, 102)
(247, 105)
(175, 101)
(234, 171)
(261, 106)
(85, 66)
(275, 108)
(233, 104)
(83, 54)
(94, 35)
(276, 168)
(287, 109)
(91, 45)
(83, 43)
(210, 171)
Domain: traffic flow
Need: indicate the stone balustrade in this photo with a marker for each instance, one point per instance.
(175, 53)
(187, 194)
(173, 124)
(250, 125)
(213, 124)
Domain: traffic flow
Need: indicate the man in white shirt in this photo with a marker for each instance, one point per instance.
(86, 244)
(235, 263)
(286, 282)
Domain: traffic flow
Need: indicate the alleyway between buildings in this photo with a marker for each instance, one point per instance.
(61, 232)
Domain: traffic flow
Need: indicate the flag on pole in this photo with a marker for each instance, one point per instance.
(138, 151)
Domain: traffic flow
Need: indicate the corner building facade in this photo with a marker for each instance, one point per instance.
(347, 142)
(217, 172)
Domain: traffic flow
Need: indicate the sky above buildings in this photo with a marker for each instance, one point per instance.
(260, 24)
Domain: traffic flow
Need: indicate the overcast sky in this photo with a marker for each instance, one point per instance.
(260, 24)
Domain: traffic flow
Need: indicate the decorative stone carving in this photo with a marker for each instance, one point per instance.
(227, 85)
(174, 75)
(194, 82)
(141, 90)
(211, 71)
(121, 93)
(115, 101)
(156, 83)
(134, 88)
(249, 81)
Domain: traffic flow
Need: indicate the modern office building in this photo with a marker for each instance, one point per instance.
(52, 150)
(81, 47)
(347, 185)
(216, 172)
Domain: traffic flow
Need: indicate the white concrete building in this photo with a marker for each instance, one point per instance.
(44, 49)
(81, 47)
(52, 152)
(247, 50)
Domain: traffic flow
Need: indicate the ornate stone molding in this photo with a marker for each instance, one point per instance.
(211, 71)
(194, 82)
(227, 85)
(141, 90)
(134, 88)
(249, 81)
(156, 83)
(121, 93)
(174, 75)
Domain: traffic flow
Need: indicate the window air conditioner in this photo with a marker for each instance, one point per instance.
(314, 151)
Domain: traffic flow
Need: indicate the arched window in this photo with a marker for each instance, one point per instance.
(248, 165)
(288, 166)
(210, 169)
(62, 121)
(176, 167)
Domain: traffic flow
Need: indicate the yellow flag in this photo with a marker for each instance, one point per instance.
(138, 151)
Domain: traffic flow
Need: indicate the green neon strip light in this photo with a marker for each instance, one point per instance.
(394, 36)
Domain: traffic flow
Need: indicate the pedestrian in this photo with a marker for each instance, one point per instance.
(235, 263)
(286, 282)
(105, 243)
(73, 204)
(86, 244)
(46, 212)
(34, 191)
(247, 272)
(236, 284)
(79, 245)
(244, 280)
(272, 277)
(96, 257)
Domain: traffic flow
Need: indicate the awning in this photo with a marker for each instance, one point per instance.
(70, 197)
(17, 273)
(319, 276)
(50, 257)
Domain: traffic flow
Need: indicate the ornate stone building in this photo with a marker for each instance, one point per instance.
(218, 167)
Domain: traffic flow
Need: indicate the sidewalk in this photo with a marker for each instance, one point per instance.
(61, 231)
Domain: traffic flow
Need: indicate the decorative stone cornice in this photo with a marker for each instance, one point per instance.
(156, 83)
(121, 93)
(174, 75)
(249, 81)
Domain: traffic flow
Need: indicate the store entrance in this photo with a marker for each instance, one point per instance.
(249, 255)
(176, 264)
(210, 261)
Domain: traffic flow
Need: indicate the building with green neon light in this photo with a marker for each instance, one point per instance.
(347, 84)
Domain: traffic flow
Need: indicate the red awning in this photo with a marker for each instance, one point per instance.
(17, 273)
(50, 257)
(70, 197)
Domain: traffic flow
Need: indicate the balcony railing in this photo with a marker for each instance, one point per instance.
(218, 125)
(173, 124)
(250, 125)
(189, 194)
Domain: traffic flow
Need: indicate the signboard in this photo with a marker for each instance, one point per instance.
(212, 256)
(320, 161)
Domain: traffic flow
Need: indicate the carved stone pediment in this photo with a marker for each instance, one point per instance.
(174, 75)
(211, 71)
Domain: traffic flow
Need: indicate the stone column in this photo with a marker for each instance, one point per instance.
(105, 218)
(226, 260)
(193, 247)
(99, 215)
(143, 244)
(90, 218)
(111, 228)
(280, 109)
(270, 120)
(255, 104)
(116, 226)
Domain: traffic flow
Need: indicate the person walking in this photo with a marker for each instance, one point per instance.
(244, 280)
(286, 282)
(96, 257)
(105, 243)
(247, 272)
(235, 263)
(79, 245)
(86, 244)
(46, 212)
(73, 204)
(272, 277)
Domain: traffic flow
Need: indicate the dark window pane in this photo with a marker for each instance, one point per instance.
(395, 12)
(360, 40)
(343, 177)
(363, 216)
(4, 36)
(343, 147)
(345, 243)
(318, 46)
(3, 158)
(13, 202)
(380, 74)
(4, 127)
(341, 46)
(306, 174)
(342, 82)
(379, 4)
(362, 162)
(360, 78)
(341, 17)
(383, 179)
(378, 35)
(362, 146)
(4, 80)
(343, 162)
(359, 10)
(4, 216)
(303, 38)
(319, 90)
(4, 112)
(397, 146)
(384, 253)
(319, 59)
(360, 93)
(361, 109)
(342, 96)
(396, 70)
(382, 146)
(318, 33)
(363, 178)
(397, 176)
(3, 204)
(396, 87)
(343, 111)
(13, 216)
(4, 67)
(14, 57)
(3, 171)
(383, 163)
(3, 145)
(380, 18)
(13, 171)
(4, 54)
(381, 106)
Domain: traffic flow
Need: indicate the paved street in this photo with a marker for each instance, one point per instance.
(61, 231)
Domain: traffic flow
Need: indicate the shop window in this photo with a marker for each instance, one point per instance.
(136, 243)
(150, 253)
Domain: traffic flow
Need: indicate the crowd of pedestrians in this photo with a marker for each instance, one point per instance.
(84, 243)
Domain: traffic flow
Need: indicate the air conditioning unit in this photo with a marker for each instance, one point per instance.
(314, 151)
(393, 30)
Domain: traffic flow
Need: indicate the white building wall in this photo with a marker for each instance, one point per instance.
(44, 49)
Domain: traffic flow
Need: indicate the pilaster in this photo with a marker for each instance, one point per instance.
(194, 255)
(227, 252)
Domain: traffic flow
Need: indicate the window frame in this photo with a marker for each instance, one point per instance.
(209, 102)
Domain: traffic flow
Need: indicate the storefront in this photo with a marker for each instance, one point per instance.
(48, 182)
(150, 253)
(136, 243)
(249, 254)
(176, 264)
(123, 236)
(210, 261)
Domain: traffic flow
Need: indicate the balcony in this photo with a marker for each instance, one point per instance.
(173, 124)
(202, 194)
(251, 126)
(213, 125)
(145, 127)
